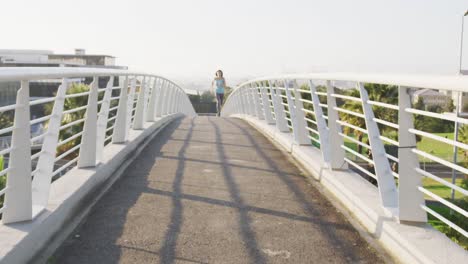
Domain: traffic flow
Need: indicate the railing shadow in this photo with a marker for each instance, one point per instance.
(247, 232)
(328, 231)
(97, 239)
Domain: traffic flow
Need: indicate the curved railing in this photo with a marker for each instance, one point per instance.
(379, 108)
(87, 110)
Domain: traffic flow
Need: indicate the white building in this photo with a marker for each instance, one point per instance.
(430, 97)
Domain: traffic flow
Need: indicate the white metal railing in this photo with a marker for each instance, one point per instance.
(317, 113)
(77, 123)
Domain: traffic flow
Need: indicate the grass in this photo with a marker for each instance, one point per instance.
(440, 189)
(437, 148)
(431, 146)
(455, 218)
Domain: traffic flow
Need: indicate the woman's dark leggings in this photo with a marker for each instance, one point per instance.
(219, 100)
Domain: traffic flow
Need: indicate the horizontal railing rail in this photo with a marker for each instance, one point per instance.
(357, 120)
(91, 109)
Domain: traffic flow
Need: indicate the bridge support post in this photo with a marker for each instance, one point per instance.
(321, 123)
(387, 187)
(280, 116)
(45, 165)
(102, 119)
(151, 112)
(167, 101)
(18, 197)
(142, 105)
(302, 135)
(410, 198)
(160, 102)
(337, 154)
(243, 105)
(87, 157)
(172, 99)
(248, 102)
(131, 103)
(266, 104)
(297, 115)
(256, 101)
(120, 128)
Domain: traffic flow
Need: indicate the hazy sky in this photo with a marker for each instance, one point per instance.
(190, 39)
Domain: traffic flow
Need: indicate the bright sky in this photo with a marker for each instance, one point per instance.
(190, 39)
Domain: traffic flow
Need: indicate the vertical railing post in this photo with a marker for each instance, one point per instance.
(248, 105)
(301, 133)
(251, 102)
(266, 104)
(131, 102)
(410, 198)
(18, 196)
(87, 157)
(387, 187)
(179, 94)
(142, 104)
(337, 154)
(160, 102)
(45, 165)
(256, 99)
(102, 119)
(243, 109)
(321, 123)
(167, 100)
(120, 133)
(280, 115)
(151, 111)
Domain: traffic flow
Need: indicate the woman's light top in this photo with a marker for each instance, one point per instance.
(220, 86)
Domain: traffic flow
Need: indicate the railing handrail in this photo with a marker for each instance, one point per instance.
(37, 73)
(105, 118)
(278, 101)
(441, 82)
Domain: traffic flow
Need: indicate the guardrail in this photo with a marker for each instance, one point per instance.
(81, 119)
(379, 108)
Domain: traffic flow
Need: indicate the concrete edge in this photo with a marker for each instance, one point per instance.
(406, 243)
(71, 199)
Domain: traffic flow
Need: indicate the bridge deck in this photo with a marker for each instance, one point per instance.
(212, 190)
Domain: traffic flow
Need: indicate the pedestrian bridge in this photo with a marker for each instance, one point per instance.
(128, 173)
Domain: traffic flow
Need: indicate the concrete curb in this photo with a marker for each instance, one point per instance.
(408, 244)
(71, 198)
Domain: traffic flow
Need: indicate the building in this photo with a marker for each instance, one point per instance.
(430, 97)
(47, 58)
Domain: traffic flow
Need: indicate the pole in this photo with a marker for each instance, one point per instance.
(461, 43)
(455, 148)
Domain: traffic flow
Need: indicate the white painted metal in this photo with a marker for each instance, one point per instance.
(408, 203)
(121, 128)
(321, 123)
(301, 135)
(266, 104)
(142, 104)
(26, 197)
(160, 98)
(87, 156)
(337, 154)
(103, 119)
(45, 165)
(387, 187)
(18, 197)
(256, 100)
(280, 116)
(131, 103)
(409, 200)
(151, 111)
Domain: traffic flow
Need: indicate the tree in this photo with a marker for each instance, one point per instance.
(71, 103)
(207, 97)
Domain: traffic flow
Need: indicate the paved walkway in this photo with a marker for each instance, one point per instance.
(212, 190)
